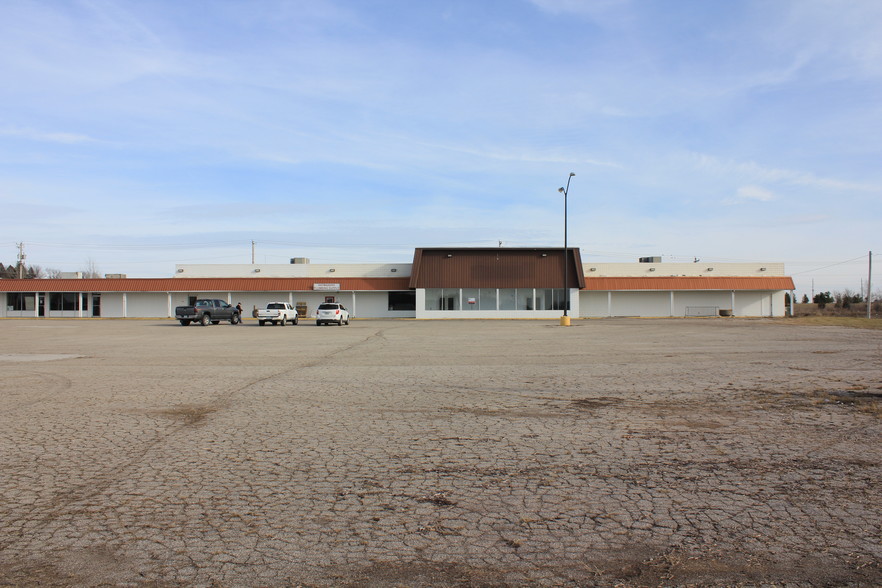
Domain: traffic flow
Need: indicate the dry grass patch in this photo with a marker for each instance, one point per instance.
(865, 401)
(835, 321)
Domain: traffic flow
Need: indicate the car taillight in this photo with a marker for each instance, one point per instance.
(337, 311)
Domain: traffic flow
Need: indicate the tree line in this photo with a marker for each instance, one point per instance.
(840, 299)
(35, 272)
(29, 272)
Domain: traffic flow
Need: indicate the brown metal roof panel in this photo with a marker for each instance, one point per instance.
(580, 269)
(415, 268)
(493, 268)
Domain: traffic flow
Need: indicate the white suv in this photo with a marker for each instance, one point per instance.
(331, 312)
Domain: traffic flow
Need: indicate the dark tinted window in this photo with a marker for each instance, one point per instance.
(328, 306)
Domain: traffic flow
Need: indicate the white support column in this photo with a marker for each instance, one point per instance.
(671, 313)
(229, 297)
(169, 309)
(125, 309)
(609, 303)
(733, 302)
(79, 305)
(354, 311)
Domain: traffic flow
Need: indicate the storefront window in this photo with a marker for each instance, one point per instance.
(487, 299)
(442, 298)
(471, 299)
(508, 299)
(402, 300)
(525, 299)
(494, 299)
(551, 298)
(21, 301)
(63, 301)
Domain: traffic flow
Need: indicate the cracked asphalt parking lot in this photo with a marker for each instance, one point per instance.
(440, 453)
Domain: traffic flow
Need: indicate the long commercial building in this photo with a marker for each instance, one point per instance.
(441, 283)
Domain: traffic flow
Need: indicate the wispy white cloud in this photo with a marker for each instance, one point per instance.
(750, 193)
(596, 9)
(50, 137)
(757, 172)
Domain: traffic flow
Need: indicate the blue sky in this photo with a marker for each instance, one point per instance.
(140, 134)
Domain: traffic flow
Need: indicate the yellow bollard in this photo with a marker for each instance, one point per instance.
(565, 321)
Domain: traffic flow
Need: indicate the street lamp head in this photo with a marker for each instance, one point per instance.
(561, 190)
(572, 174)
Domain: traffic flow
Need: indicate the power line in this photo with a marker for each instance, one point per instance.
(817, 269)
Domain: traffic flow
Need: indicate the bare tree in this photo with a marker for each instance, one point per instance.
(51, 273)
(91, 269)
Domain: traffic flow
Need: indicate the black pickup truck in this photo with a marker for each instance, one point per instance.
(207, 312)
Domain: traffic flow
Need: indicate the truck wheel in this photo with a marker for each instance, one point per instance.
(184, 322)
(206, 319)
(234, 320)
(261, 323)
(282, 321)
(296, 320)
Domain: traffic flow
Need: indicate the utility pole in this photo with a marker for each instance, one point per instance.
(870, 288)
(21, 258)
(252, 253)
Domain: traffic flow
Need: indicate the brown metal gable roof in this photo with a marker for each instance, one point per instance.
(201, 285)
(690, 283)
(495, 267)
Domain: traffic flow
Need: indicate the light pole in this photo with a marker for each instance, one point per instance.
(565, 319)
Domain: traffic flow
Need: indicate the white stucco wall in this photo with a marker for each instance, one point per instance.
(658, 270)
(659, 303)
(293, 270)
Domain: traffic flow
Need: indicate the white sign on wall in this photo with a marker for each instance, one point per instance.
(325, 287)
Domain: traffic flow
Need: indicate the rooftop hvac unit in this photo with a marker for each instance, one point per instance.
(115, 276)
(299, 260)
(650, 259)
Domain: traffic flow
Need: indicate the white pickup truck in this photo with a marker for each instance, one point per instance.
(277, 313)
